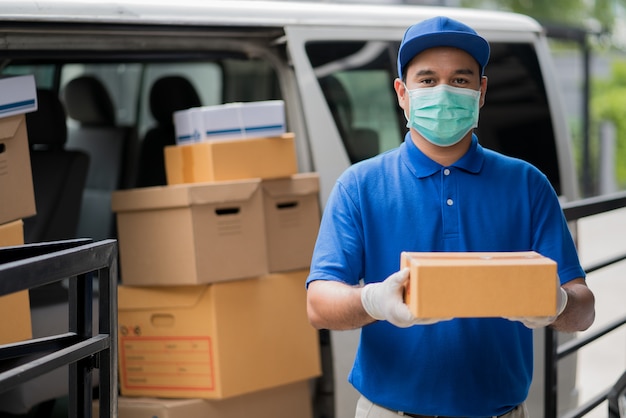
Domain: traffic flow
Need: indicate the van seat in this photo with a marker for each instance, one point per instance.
(167, 95)
(58, 174)
(88, 103)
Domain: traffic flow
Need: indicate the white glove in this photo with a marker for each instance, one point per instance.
(544, 321)
(384, 301)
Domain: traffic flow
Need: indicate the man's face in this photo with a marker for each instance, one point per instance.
(442, 65)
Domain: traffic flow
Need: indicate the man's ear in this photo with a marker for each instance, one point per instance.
(483, 90)
(401, 93)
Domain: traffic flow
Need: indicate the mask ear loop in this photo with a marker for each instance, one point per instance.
(406, 91)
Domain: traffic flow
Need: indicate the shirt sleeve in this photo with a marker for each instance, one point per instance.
(552, 237)
(338, 252)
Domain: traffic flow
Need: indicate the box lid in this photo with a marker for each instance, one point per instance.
(19, 95)
(219, 142)
(153, 297)
(482, 258)
(298, 184)
(158, 407)
(184, 195)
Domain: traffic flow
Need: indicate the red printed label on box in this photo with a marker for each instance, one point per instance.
(167, 363)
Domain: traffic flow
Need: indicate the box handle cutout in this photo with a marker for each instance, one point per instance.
(226, 211)
(162, 320)
(286, 205)
(2, 148)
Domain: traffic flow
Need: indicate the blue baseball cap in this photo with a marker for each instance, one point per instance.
(442, 31)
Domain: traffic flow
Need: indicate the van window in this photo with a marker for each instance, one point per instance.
(216, 82)
(116, 140)
(45, 74)
(357, 81)
(515, 119)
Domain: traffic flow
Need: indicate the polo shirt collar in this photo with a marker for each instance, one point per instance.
(422, 166)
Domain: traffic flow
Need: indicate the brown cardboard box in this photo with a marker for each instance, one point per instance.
(505, 284)
(16, 181)
(191, 234)
(292, 217)
(15, 306)
(216, 341)
(287, 401)
(231, 159)
(18, 96)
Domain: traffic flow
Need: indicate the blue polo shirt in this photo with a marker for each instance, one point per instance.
(403, 201)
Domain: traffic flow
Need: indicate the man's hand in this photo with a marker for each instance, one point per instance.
(384, 301)
(544, 321)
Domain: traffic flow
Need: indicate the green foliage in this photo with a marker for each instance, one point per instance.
(570, 12)
(608, 103)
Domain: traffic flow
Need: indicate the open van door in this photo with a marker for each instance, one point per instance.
(345, 78)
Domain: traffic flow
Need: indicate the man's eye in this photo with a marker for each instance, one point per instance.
(460, 81)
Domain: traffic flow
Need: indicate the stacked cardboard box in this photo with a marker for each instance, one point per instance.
(15, 305)
(231, 159)
(16, 188)
(191, 234)
(16, 183)
(287, 401)
(215, 341)
(212, 305)
(230, 121)
(208, 232)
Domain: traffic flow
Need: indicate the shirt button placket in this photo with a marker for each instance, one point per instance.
(449, 200)
(450, 221)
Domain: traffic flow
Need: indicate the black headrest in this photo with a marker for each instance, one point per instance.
(170, 94)
(46, 126)
(88, 101)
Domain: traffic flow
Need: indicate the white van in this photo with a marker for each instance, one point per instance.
(332, 64)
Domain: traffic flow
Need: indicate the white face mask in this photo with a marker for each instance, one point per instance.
(443, 114)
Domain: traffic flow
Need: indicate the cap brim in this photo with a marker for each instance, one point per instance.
(474, 45)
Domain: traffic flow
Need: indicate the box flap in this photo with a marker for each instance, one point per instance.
(9, 126)
(19, 95)
(297, 185)
(515, 257)
(286, 136)
(158, 197)
(155, 297)
(223, 191)
(183, 195)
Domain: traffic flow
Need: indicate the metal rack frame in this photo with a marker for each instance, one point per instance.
(33, 265)
(554, 352)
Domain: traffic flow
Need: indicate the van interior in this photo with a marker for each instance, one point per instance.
(118, 110)
(105, 116)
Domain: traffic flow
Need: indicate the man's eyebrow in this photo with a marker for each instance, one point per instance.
(425, 72)
(466, 71)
